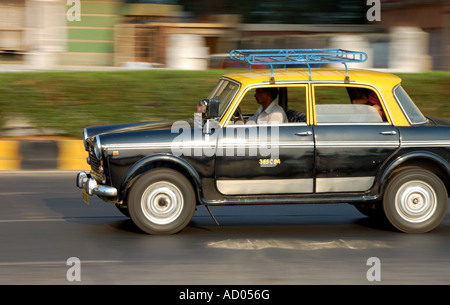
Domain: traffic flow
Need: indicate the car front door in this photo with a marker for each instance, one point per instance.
(265, 159)
(259, 159)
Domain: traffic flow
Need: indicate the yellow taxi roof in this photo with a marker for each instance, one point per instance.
(383, 82)
(375, 78)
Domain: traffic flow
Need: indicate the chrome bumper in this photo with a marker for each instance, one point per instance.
(84, 181)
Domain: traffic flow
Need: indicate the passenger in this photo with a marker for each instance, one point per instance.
(359, 95)
(372, 100)
(269, 112)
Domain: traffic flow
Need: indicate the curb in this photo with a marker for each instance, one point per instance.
(30, 154)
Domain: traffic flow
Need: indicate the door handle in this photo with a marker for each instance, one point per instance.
(389, 133)
(304, 133)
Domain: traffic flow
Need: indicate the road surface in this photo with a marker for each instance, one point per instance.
(49, 236)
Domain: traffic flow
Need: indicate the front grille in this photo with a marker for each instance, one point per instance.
(95, 163)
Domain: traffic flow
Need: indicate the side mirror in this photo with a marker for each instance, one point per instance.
(209, 108)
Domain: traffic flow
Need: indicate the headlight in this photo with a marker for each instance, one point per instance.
(98, 148)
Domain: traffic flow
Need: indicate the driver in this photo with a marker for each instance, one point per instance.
(269, 111)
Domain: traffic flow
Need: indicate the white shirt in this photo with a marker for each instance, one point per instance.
(274, 113)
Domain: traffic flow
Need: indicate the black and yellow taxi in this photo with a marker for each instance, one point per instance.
(350, 136)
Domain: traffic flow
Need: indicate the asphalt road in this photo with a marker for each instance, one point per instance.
(44, 224)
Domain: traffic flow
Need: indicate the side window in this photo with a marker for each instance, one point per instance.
(291, 100)
(262, 106)
(347, 104)
(248, 103)
(296, 104)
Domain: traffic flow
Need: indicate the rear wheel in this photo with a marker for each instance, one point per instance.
(161, 201)
(415, 201)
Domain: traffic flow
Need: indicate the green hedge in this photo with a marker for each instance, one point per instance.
(70, 101)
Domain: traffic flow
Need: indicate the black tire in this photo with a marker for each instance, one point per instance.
(415, 201)
(162, 201)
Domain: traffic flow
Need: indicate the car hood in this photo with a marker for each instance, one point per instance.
(118, 128)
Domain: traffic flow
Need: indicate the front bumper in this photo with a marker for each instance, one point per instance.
(89, 184)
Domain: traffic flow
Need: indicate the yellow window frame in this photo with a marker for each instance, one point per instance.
(365, 86)
(244, 91)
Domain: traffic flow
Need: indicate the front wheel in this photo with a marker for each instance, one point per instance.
(415, 201)
(161, 201)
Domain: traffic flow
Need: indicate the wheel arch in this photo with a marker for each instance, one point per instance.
(425, 160)
(160, 161)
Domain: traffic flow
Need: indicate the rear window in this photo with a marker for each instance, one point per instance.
(410, 109)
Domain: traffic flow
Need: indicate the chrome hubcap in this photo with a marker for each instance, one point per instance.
(162, 202)
(416, 201)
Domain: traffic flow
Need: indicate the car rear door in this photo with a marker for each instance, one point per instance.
(350, 147)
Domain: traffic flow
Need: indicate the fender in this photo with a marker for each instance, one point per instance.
(148, 163)
(423, 155)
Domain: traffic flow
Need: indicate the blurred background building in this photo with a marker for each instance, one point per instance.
(412, 35)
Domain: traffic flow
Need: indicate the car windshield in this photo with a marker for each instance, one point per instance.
(225, 90)
(412, 112)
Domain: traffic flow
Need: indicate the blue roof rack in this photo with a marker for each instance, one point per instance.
(298, 56)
